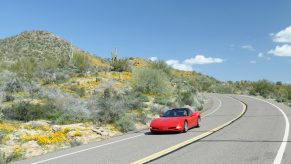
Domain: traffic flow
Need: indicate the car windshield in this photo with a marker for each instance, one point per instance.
(176, 112)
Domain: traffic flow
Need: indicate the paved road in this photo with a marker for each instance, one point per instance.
(254, 138)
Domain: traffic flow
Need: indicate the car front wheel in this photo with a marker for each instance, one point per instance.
(198, 122)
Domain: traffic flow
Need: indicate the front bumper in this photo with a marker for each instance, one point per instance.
(166, 129)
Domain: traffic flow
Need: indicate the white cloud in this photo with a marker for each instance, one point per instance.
(172, 62)
(180, 66)
(263, 56)
(153, 58)
(248, 47)
(260, 55)
(284, 50)
(200, 59)
(253, 62)
(187, 65)
(283, 36)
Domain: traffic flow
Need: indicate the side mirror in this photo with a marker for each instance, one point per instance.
(192, 114)
(161, 115)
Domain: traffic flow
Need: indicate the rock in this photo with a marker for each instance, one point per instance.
(32, 149)
(38, 124)
(104, 132)
(98, 130)
(56, 128)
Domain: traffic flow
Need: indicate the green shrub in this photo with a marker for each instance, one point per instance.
(13, 85)
(143, 118)
(156, 109)
(81, 62)
(2, 158)
(125, 123)
(161, 65)
(8, 97)
(161, 100)
(110, 109)
(263, 88)
(120, 65)
(24, 111)
(25, 67)
(111, 105)
(148, 80)
(133, 100)
(80, 91)
(143, 98)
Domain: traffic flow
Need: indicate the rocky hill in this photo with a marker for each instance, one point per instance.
(37, 44)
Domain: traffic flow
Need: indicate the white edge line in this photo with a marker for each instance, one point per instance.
(281, 150)
(220, 103)
(68, 154)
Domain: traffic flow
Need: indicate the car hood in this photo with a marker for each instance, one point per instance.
(167, 121)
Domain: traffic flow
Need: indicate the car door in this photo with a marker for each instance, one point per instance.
(192, 120)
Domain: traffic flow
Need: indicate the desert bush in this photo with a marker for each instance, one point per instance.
(111, 105)
(57, 106)
(143, 118)
(198, 102)
(33, 89)
(24, 111)
(2, 158)
(81, 62)
(65, 101)
(161, 65)
(263, 88)
(120, 65)
(125, 123)
(25, 67)
(79, 91)
(133, 100)
(7, 97)
(161, 100)
(148, 80)
(1, 116)
(222, 88)
(185, 93)
(143, 98)
(13, 85)
(110, 108)
(157, 109)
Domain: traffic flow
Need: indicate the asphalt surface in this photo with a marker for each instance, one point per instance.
(254, 138)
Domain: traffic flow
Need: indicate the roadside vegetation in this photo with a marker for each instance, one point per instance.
(271, 90)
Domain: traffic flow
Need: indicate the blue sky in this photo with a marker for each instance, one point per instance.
(221, 38)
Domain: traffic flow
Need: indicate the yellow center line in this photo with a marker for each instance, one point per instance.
(189, 141)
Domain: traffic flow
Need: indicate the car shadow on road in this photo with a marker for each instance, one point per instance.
(162, 133)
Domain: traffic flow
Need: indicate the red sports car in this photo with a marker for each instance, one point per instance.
(176, 120)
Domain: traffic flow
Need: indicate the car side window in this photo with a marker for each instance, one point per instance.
(189, 112)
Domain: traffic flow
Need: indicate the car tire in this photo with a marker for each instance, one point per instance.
(185, 126)
(198, 122)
